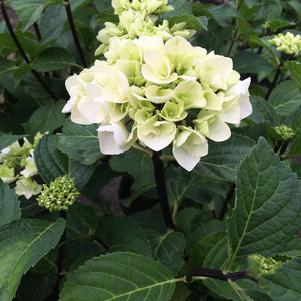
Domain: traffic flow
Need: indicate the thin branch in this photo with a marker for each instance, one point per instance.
(37, 31)
(22, 51)
(217, 274)
(161, 187)
(74, 33)
(227, 200)
(275, 80)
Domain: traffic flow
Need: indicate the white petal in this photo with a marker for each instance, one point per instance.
(245, 106)
(184, 159)
(157, 143)
(219, 131)
(232, 115)
(71, 81)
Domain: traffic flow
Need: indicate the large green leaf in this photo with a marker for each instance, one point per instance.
(120, 276)
(9, 205)
(7, 139)
(138, 165)
(266, 216)
(80, 142)
(51, 163)
(295, 68)
(124, 234)
(22, 244)
(223, 158)
(285, 98)
(46, 119)
(28, 11)
(52, 59)
(285, 283)
(263, 112)
(169, 250)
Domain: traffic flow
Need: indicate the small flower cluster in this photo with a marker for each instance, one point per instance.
(284, 132)
(155, 92)
(288, 43)
(17, 165)
(59, 195)
(138, 18)
(259, 266)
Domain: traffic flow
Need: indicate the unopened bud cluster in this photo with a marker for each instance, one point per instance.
(58, 195)
(288, 43)
(284, 132)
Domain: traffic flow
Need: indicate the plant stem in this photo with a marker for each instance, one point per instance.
(161, 187)
(60, 259)
(37, 31)
(227, 200)
(217, 274)
(22, 51)
(274, 82)
(74, 33)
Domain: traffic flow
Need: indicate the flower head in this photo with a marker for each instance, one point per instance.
(287, 43)
(158, 90)
(58, 195)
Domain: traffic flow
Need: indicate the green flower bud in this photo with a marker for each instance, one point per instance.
(284, 132)
(259, 266)
(59, 195)
(287, 43)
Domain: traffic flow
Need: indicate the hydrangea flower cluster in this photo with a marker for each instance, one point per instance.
(156, 93)
(287, 43)
(59, 195)
(17, 165)
(138, 18)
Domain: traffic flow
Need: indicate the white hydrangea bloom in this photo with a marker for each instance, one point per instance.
(17, 165)
(157, 90)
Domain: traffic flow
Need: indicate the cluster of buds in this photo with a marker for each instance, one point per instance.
(157, 92)
(58, 195)
(259, 266)
(284, 132)
(288, 43)
(138, 18)
(17, 165)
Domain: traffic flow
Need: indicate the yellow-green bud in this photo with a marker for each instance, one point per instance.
(284, 132)
(259, 266)
(287, 43)
(58, 195)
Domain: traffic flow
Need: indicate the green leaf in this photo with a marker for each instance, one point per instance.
(295, 68)
(80, 142)
(8, 139)
(9, 205)
(138, 165)
(120, 276)
(52, 59)
(285, 283)
(169, 250)
(46, 119)
(285, 98)
(50, 162)
(23, 243)
(263, 112)
(178, 183)
(28, 11)
(250, 62)
(266, 214)
(124, 234)
(6, 67)
(223, 158)
(192, 22)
